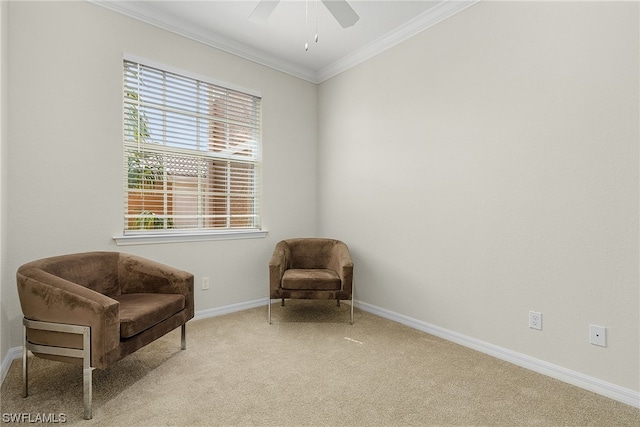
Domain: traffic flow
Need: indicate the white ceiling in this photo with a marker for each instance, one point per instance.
(280, 41)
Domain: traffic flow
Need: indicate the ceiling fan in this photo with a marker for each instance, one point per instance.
(340, 10)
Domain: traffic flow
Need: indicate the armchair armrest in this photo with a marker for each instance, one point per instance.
(278, 263)
(46, 297)
(343, 265)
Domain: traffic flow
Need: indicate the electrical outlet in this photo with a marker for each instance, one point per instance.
(205, 283)
(535, 320)
(598, 335)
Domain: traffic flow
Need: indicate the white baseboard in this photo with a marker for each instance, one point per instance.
(613, 391)
(219, 311)
(13, 354)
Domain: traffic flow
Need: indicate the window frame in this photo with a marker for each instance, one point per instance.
(135, 237)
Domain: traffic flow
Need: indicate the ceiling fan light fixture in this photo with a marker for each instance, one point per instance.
(344, 14)
(340, 9)
(263, 10)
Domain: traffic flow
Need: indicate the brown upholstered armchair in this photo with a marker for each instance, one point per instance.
(311, 268)
(92, 309)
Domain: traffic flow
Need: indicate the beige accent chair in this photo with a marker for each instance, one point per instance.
(311, 268)
(92, 309)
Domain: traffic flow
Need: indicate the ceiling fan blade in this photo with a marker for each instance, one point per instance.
(263, 10)
(343, 13)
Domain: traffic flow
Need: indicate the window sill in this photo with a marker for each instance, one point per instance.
(149, 239)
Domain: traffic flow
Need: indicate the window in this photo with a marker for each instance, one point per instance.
(191, 155)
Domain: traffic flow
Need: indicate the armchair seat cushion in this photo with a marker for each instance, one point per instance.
(141, 311)
(311, 279)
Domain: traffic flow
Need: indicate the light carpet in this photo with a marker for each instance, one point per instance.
(309, 368)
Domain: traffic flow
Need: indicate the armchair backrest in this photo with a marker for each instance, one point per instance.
(97, 271)
(311, 252)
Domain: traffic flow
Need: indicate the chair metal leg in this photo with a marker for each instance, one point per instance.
(25, 369)
(352, 293)
(183, 337)
(88, 392)
(87, 372)
(351, 321)
(84, 354)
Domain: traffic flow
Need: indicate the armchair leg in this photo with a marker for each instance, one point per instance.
(25, 358)
(183, 337)
(351, 321)
(87, 374)
(352, 293)
(83, 353)
(283, 302)
(338, 303)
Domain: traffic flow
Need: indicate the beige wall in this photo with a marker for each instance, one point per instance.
(488, 167)
(5, 297)
(65, 146)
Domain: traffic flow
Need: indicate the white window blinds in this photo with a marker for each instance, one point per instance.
(191, 154)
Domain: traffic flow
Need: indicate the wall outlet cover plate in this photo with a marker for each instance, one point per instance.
(598, 335)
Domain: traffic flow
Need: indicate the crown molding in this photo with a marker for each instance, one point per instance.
(443, 10)
(137, 10)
